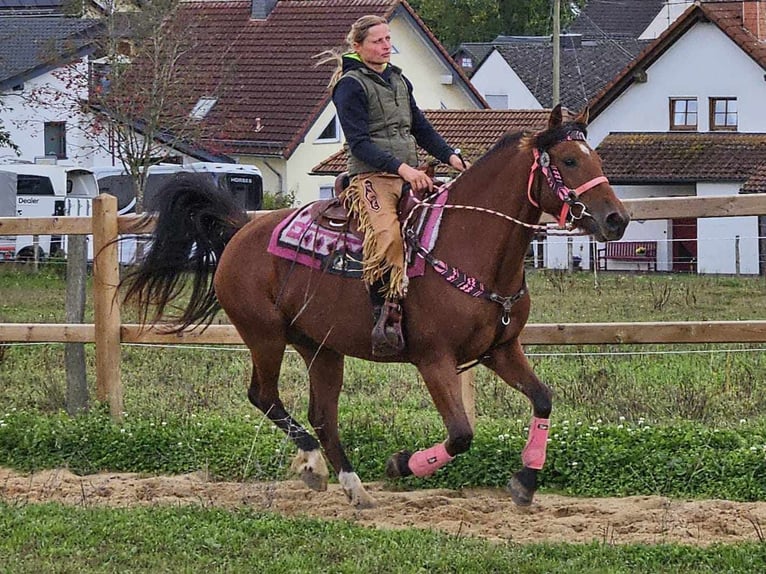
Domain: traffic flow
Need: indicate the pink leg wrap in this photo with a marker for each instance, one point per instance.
(533, 455)
(426, 462)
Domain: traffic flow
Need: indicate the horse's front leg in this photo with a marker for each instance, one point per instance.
(512, 366)
(444, 385)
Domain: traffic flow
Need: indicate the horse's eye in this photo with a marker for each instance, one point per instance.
(570, 162)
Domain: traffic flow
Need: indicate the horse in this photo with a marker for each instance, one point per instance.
(493, 210)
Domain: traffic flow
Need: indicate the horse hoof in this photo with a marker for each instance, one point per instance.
(520, 494)
(361, 500)
(314, 481)
(397, 466)
(311, 468)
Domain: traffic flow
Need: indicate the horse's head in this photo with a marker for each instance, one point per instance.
(572, 186)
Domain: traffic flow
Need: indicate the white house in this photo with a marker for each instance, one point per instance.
(686, 119)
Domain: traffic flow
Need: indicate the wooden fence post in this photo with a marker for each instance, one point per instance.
(106, 303)
(74, 353)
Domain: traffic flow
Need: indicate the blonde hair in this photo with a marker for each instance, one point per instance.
(356, 35)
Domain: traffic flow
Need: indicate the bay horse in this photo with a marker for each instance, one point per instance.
(493, 210)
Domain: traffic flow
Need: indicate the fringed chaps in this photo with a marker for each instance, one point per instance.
(373, 197)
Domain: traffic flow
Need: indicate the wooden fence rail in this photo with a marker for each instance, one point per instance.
(107, 332)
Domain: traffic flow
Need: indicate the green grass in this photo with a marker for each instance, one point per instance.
(682, 421)
(54, 538)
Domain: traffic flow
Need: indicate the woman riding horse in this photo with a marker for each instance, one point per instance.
(490, 216)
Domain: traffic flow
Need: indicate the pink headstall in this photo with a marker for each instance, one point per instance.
(542, 161)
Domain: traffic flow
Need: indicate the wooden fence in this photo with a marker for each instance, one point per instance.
(107, 331)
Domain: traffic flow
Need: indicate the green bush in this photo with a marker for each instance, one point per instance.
(682, 460)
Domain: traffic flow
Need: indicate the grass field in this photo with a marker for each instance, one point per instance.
(708, 397)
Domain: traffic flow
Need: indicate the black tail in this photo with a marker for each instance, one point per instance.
(195, 221)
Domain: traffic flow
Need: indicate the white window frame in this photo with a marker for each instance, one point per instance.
(334, 139)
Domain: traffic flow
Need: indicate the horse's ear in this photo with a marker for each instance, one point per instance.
(583, 117)
(555, 119)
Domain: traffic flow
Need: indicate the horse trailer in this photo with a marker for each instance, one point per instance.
(42, 190)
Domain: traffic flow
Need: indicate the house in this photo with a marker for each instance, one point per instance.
(517, 71)
(686, 118)
(274, 98)
(32, 51)
(519, 74)
(251, 75)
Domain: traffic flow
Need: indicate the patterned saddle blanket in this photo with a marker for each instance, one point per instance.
(322, 235)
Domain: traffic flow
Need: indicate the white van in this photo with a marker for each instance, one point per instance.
(244, 182)
(43, 190)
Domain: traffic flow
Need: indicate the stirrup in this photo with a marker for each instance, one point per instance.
(387, 337)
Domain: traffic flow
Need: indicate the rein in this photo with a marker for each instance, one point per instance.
(571, 210)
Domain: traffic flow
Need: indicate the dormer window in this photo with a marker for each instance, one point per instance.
(723, 114)
(202, 108)
(466, 62)
(683, 114)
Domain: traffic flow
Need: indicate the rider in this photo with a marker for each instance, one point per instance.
(382, 137)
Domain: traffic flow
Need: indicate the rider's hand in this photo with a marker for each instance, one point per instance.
(417, 179)
(457, 163)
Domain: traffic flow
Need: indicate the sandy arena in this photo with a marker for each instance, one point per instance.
(485, 513)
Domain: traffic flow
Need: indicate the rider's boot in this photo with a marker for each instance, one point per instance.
(387, 336)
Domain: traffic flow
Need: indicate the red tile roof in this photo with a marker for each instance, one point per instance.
(263, 70)
(726, 15)
(640, 158)
(473, 131)
(756, 183)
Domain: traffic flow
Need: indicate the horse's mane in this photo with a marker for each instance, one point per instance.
(507, 140)
(526, 139)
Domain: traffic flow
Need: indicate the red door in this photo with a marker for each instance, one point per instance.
(684, 245)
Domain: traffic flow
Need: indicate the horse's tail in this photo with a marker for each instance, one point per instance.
(194, 222)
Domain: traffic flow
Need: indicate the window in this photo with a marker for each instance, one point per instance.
(55, 139)
(202, 108)
(331, 133)
(683, 114)
(326, 191)
(466, 62)
(34, 185)
(723, 114)
(497, 101)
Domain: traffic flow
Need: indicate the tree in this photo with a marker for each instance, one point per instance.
(454, 22)
(134, 95)
(139, 96)
(457, 21)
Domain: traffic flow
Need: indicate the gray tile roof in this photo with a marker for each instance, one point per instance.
(31, 6)
(615, 18)
(31, 45)
(585, 70)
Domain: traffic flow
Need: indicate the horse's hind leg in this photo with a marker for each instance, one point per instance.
(512, 366)
(264, 395)
(326, 378)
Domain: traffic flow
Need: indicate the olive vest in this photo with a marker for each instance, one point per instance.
(390, 118)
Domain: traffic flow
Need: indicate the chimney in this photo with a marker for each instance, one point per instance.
(262, 9)
(754, 18)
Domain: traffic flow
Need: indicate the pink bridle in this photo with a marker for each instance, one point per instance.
(568, 196)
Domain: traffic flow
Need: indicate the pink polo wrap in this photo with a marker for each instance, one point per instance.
(426, 462)
(533, 455)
